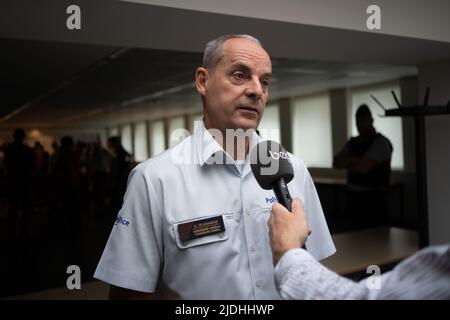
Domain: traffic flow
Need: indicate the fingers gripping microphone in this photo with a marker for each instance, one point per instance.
(272, 169)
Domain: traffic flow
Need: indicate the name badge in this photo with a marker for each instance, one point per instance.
(200, 228)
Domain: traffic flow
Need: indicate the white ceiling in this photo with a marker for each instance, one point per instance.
(55, 84)
(408, 18)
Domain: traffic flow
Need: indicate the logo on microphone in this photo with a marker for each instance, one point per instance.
(277, 155)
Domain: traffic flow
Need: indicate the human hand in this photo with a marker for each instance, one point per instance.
(287, 230)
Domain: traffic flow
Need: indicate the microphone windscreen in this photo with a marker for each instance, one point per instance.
(270, 162)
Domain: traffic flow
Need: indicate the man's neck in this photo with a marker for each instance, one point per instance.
(369, 133)
(236, 146)
(236, 151)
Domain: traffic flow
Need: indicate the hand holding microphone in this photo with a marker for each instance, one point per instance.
(287, 230)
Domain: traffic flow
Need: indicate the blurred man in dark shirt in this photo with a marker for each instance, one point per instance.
(367, 158)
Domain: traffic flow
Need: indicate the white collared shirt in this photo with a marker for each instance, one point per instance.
(180, 186)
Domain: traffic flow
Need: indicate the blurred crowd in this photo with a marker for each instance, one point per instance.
(78, 178)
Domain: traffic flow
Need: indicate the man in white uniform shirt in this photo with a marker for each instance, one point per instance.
(198, 228)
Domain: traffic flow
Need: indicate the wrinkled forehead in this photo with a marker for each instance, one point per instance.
(246, 51)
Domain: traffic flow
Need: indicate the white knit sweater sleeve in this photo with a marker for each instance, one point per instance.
(424, 275)
(299, 276)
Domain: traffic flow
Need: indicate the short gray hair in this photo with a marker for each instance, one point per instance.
(214, 49)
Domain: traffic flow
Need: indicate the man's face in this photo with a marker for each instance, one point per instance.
(364, 124)
(236, 90)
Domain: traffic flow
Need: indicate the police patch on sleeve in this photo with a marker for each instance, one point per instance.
(200, 228)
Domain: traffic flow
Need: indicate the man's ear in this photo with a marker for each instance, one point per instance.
(201, 79)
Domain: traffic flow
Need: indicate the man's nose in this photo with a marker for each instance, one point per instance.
(254, 89)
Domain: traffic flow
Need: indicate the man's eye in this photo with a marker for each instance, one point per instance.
(239, 75)
(265, 83)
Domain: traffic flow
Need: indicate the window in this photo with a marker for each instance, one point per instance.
(158, 136)
(194, 121)
(126, 138)
(114, 131)
(269, 127)
(176, 135)
(391, 127)
(311, 126)
(140, 141)
(102, 136)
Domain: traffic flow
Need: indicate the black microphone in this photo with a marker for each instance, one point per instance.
(272, 169)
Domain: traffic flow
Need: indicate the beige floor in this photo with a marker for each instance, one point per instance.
(378, 246)
(95, 290)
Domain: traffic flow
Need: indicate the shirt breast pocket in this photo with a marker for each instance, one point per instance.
(261, 213)
(260, 216)
(201, 231)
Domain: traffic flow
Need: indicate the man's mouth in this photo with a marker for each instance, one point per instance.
(249, 109)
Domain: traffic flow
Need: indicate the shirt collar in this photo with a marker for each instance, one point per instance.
(207, 147)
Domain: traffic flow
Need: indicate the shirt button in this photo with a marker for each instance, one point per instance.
(248, 211)
(252, 249)
(259, 283)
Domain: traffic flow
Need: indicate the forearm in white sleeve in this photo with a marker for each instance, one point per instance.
(299, 276)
